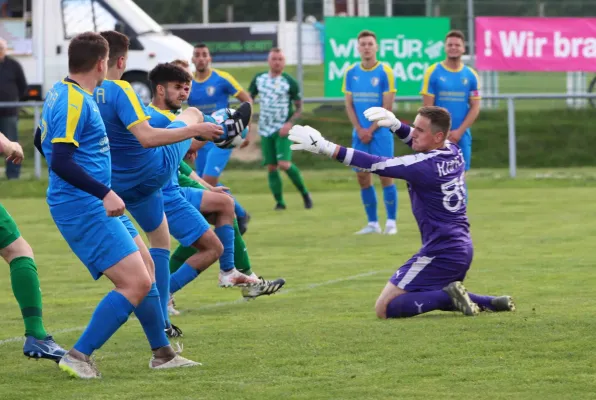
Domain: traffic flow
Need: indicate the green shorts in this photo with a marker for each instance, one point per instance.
(8, 229)
(275, 148)
(185, 181)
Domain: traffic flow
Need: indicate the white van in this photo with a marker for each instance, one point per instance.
(45, 27)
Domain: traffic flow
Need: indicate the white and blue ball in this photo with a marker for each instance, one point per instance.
(227, 142)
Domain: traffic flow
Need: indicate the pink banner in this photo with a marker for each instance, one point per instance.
(535, 44)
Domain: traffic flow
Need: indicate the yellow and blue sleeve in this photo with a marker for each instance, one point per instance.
(389, 81)
(474, 85)
(128, 105)
(346, 86)
(231, 85)
(69, 118)
(427, 82)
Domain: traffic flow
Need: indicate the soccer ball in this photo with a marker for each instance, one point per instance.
(226, 142)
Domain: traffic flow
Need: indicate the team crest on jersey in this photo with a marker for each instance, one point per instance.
(464, 81)
(374, 81)
(210, 90)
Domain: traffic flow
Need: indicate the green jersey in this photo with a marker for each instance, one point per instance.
(277, 97)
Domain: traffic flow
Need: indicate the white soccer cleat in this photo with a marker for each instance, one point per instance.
(390, 228)
(461, 300)
(82, 369)
(171, 306)
(176, 362)
(235, 278)
(368, 229)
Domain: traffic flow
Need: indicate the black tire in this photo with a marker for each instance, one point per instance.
(141, 85)
(591, 89)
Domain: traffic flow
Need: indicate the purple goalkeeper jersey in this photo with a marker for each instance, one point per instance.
(436, 185)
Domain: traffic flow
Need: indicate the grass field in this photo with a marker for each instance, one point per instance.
(319, 339)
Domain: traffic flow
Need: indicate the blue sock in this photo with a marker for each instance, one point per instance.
(238, 209)
(161, 259)
(111, 312)
(225, 233)
(152, 320)
(182, 277)
(369, 199)
(390, 198)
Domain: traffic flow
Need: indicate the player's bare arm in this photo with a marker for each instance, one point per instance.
(12, 150)
(285, 129)
(456, 134)
(428, 100)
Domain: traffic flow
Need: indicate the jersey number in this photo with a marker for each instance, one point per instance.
(454, 193)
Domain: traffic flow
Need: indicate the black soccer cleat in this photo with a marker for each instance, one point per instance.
(237, 122)
(173, 331)
(307, 201)
(264, 287)
(243, 223)
(279, 207)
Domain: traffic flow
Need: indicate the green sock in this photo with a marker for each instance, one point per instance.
(275, 185)
(179, 257)
(296, 177)
(25, 286)
(241, 260)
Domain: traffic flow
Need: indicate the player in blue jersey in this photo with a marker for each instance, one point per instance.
(24, 279)
(210, 91)
(432, 278)
(183, 206)
(89, 214)
(367, 84)
(144, 158)
(452, 85)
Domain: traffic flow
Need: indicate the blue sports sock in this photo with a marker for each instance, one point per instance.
(111, 312)
(414, 303)
(369, 199)
(390, 198)
(225, 233)
(152, 320)
(182, 277)
(161, 259)
(238, 209)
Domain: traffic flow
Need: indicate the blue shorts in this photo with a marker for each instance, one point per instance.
(465, 144)
(193, 195)
(144, 201)
(382, 144)
(211, 160)
(433, 271)
(129, 226)
(99, 241)
(186, 223)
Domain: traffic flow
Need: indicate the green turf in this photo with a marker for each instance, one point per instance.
(320, 339)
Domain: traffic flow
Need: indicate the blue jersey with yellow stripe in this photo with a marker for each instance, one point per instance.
(213, 92)
(70, 115)
(367, 87)
(451, 89)
(121, 109)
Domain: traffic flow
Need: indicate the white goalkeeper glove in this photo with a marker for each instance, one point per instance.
(309, 139)
(383, 117)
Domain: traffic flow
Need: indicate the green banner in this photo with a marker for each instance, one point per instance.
(408, 45)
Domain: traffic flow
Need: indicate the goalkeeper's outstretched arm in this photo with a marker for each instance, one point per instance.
(386, 118)
(309, 139)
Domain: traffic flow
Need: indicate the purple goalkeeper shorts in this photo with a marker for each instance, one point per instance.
(427, 271)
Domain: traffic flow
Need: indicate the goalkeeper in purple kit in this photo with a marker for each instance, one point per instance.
(432, 278)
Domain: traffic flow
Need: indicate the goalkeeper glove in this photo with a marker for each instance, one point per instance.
(383, 117)
(309, 139)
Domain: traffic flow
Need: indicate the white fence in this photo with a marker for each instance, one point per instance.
(510, 98)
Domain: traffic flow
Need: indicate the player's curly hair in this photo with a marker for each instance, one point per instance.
(439, 117)
(164, 73)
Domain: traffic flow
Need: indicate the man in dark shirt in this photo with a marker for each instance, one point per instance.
(12, 88)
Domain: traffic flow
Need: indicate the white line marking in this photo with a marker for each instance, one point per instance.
(225, 303)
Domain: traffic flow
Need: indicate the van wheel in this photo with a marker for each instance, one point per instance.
(140, 84)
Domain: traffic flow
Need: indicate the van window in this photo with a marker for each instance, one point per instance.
(85, 15)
